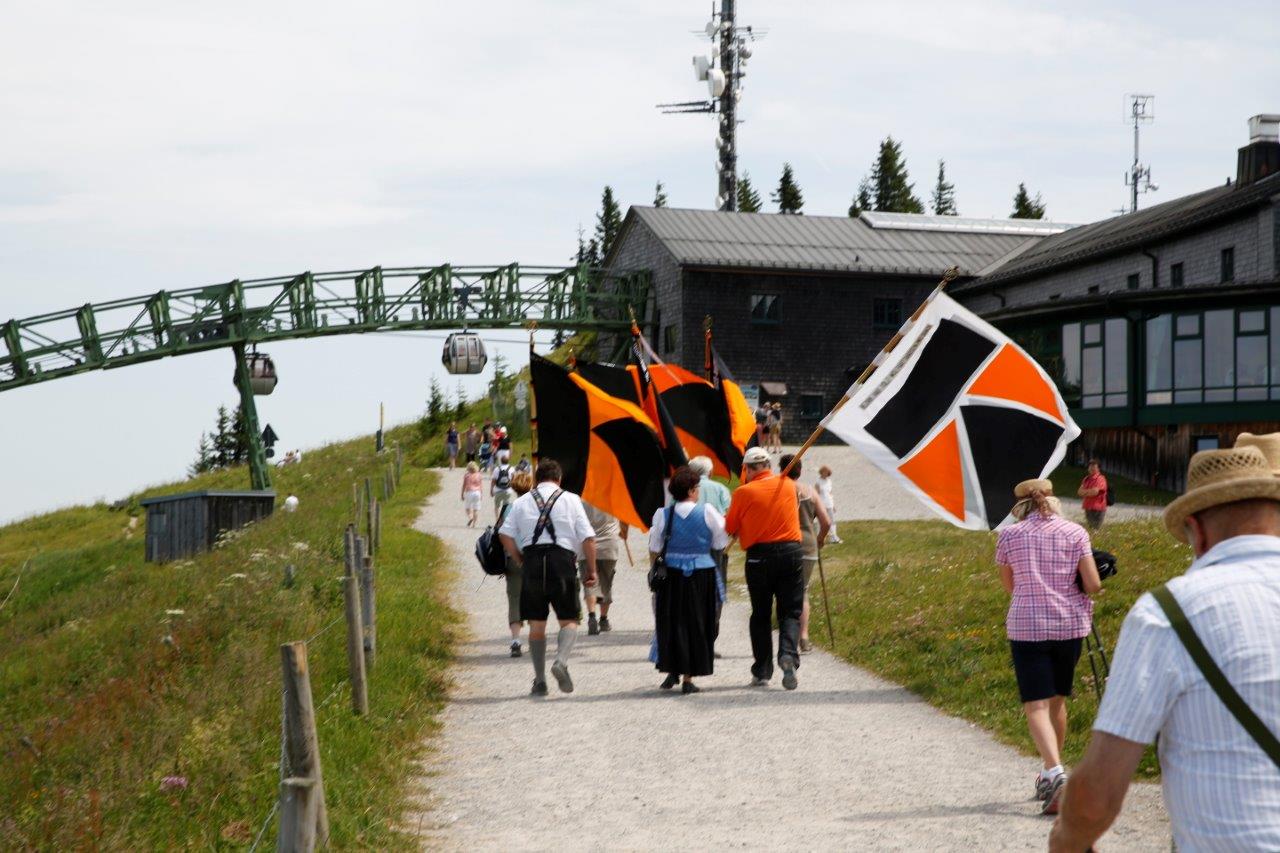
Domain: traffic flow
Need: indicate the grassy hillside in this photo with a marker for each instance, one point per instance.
(920, 603)
(116, 673)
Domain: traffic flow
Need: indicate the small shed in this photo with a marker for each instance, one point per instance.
(186, 524)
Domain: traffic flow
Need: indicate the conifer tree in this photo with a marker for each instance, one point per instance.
(608, 223)
(787, 196)
(223, 439)
(204, 457)
(748, 198)
(240, 437)
(588, 254)
(659, 195)
(460, 406)
(862, 201)
(944, 193)
(1026, 207)
(435, 404)
(890, 184)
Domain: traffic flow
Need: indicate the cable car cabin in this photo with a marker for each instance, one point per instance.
(262, 373)
(464, 353)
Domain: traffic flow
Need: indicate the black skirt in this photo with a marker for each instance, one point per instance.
(685, 615)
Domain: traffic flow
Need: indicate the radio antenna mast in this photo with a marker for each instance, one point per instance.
(1141, 110)
(723, 75)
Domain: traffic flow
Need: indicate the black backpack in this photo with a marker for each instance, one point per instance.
(489, 550)
(1111, 496)
(503, 480)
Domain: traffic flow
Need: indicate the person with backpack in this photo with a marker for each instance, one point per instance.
(1198, 664)
(1097, 496)
(500, 486)
(543, 533)
(486, 456)
(494, 561)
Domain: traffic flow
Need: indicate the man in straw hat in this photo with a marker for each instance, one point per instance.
(1218, 753)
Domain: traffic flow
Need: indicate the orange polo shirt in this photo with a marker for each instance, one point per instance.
(764, 510)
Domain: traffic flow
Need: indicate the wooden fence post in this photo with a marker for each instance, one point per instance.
(355, 645)
(377, 530)
(368, 604)
(304, 820)
(368, 501)
(399, 463)
(349, 559)
(373, 511)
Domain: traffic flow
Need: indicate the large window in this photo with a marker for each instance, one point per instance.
(1221, 356)
(765, 308)
(1095, 363)
(886, 313)
(670, 336)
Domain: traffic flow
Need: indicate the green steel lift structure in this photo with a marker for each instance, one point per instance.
(239, 315)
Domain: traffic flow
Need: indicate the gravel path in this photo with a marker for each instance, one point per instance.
(847, 761)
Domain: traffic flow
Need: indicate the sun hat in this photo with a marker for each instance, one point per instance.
(1216, 477)
(1268, 443)
(1026, 487)
(1023, 491)
(756, 456)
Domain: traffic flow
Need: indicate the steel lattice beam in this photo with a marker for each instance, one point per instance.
(132, 331)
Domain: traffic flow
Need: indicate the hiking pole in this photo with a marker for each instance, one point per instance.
(826, 605)
(1093, 665)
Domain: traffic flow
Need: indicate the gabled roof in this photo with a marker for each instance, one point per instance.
(913, 244)
(1134, 230)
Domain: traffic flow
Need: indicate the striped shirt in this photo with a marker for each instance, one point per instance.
(1044, 554)
(1221, 790)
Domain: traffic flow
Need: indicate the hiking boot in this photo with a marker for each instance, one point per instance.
(593, 626)
(604, 624)
(669, 682)
(1054, 798)
(561, 672)
(806, 646)
(515, 648)
(789, 676)
(539, 688)
(1043, 785)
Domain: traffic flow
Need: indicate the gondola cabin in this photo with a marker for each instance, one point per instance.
(262, 373)
(464, 353)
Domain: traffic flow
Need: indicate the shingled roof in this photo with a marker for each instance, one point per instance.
(1133, 231)
(873, 242)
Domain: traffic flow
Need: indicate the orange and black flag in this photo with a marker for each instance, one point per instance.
(607, 446)
(958, 414)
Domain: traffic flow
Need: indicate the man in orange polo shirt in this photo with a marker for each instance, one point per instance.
(765, 516)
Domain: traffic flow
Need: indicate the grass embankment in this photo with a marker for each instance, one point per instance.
(116, 673)
(921, 604)
(1066, 481)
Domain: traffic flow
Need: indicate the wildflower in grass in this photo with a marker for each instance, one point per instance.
(173, 783)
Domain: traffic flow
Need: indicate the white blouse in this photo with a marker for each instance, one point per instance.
(715, 521)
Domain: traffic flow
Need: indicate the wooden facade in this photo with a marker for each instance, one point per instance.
(186, 524)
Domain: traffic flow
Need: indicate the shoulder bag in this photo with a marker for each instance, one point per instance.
(658, 570)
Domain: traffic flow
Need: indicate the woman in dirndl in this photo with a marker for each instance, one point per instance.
(685, 602)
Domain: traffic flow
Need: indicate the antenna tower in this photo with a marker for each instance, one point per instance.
(723, 75)
(1141, 110)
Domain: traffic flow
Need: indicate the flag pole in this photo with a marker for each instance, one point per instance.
(708, 363)
(826, 604)
(947, 278)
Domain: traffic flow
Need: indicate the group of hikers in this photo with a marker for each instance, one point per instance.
(1220, 761)
(483, 446)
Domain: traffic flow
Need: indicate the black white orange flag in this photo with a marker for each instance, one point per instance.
(607, 447)
(958, 414)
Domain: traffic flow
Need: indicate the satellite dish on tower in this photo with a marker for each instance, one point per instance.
(701, 65)
(716, 82)
(711, 29)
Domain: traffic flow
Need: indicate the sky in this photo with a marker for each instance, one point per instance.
(151, 145)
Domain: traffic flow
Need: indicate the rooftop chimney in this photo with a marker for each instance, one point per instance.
(1261, 157)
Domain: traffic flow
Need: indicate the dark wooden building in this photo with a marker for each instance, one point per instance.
(799, 304)
(1161, 327)
(182, 525)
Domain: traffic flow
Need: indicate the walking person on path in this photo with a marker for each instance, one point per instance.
(1049, 616)
(1221, 789)
(472, 483)
(717, 495)
(1093, 488)
(451, 445)
(828, 501)
(685, 602)
(814, 526)
(544, 533)
(765, 516)
(600, 592)
(521, 483)
(500, 486)
(775, 427)
(471, 443)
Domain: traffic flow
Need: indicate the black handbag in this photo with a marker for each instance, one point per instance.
(658, 569)
(1106, 562)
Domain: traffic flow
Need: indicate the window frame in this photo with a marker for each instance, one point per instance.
(886, 302)
(1134, 281)
(814, 414)
(1177, 274)
(670, 338)
(773, 313)
(1227, 265)
(1268, 389)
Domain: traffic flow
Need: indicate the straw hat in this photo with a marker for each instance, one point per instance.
(1026, 487)
(1023, 491)
(1269, 444)
(1217, 477)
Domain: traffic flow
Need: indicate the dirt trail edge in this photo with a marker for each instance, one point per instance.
(847, 761)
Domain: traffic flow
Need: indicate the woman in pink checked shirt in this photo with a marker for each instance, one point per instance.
(1049, 616)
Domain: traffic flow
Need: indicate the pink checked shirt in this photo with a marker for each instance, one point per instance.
(1044, 554)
